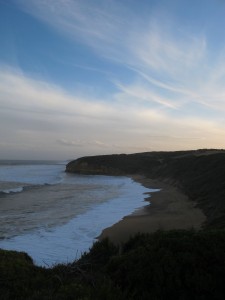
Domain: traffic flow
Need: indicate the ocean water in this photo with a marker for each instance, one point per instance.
(55, 216)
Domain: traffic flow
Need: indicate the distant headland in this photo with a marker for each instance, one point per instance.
(198, 174)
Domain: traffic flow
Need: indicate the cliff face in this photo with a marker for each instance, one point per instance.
(93, 166)
(199, 174)
(121, 164)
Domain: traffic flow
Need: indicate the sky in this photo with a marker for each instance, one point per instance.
(89, 77)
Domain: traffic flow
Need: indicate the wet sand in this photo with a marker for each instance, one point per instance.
(168, 209)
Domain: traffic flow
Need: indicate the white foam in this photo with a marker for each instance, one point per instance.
(13, 190)
(66, 243)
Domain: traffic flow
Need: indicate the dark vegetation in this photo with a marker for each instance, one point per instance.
(179, 265)
(164, 265)
(199, 174)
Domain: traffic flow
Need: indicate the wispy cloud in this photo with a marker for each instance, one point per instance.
(43, 116)
(139, 92)
(39, 97)
(94, 23)
(83, 143)
(172, 98)
(164, 57)
(166, 50)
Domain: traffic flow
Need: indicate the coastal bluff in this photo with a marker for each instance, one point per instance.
(99, 165)
(151, 264)
(199, 174)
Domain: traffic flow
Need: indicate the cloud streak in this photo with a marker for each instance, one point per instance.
(164, 57)
(173, 96)
(43, 116)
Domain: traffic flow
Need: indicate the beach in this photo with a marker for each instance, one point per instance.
(168, 209)
(55, 216)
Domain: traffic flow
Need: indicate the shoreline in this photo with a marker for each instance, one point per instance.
(31, 227)
(168, 209)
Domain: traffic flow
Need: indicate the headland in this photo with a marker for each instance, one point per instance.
(190, 182)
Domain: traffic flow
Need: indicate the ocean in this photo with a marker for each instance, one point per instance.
(55, 216)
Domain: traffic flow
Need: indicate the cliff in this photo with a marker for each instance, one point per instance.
(200, 174)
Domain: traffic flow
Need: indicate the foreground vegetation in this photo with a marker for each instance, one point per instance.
(164, 265)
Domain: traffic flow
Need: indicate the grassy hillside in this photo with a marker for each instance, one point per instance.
(164, 265)
(199, 174)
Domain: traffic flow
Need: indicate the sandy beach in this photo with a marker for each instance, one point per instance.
(168, 209)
